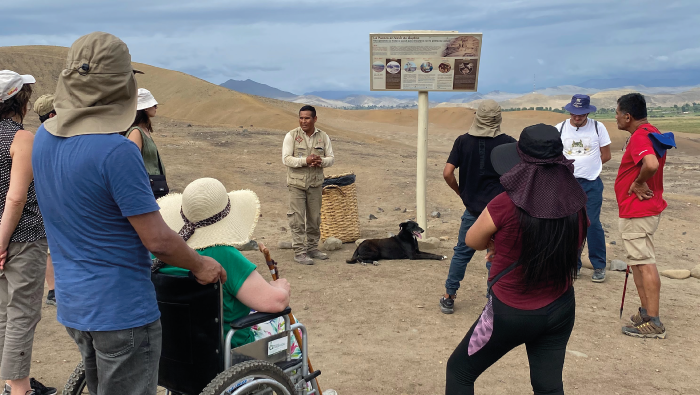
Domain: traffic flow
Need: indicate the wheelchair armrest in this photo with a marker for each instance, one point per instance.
(257, 318)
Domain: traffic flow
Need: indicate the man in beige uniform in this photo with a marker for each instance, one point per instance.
(305, 152)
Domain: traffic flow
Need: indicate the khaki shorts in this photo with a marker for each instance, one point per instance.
(638, 239)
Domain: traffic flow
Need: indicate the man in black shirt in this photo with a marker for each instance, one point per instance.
(478, 184)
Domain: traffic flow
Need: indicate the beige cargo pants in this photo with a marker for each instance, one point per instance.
(304, 218)
(21, 292)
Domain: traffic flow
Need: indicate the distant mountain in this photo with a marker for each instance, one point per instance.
(608, 83)
(255, 88)
(340, 95)
(494, 95)
(319, 101)
(554, 97)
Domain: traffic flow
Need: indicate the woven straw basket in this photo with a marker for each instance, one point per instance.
(339, 216)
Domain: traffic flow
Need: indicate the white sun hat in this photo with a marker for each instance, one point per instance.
(146, 99)
(11, 83)
(204, 203)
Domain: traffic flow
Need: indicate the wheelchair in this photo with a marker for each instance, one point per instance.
(197, 357)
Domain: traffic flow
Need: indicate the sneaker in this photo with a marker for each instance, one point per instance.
(647, 329)
(51, 298)
(37, 388)
(598, 275)
(316, 254)
(639, 318)
(447, 305)
(41, 389)
(303, 259)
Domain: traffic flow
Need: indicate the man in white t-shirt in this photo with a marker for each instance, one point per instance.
(587, 142)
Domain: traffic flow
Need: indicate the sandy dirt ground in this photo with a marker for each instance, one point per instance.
(379, 330)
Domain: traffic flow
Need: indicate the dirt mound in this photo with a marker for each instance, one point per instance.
(181, 96)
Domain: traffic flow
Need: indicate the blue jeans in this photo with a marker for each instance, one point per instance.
(596, 235)
(462, 255)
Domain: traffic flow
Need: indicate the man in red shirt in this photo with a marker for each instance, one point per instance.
(639, 191)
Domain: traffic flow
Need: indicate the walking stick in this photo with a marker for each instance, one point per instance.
(624, 290)
(272, 265)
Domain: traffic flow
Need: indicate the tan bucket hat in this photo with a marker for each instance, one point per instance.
(487, 122)
(214, 216)
(96, 92)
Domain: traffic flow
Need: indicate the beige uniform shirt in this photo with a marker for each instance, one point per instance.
(290, 160)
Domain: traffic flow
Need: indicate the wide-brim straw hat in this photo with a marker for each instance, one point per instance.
(96, 91)
(204, 198)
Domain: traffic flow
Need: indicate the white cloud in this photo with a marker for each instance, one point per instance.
(300, 46)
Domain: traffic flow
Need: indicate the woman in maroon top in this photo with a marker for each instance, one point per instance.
(535, 230)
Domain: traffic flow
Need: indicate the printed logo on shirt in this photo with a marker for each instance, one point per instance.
(642, 152)
(298, 139)
(577, 147)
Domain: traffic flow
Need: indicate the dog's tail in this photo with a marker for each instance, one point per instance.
(354, 256)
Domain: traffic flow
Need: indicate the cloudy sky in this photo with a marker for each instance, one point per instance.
(305, 45)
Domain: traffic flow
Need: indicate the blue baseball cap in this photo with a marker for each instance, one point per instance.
(580, 104)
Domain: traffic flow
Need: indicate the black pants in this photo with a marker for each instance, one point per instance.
(545, 333)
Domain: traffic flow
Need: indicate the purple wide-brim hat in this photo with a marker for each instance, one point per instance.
(580, 105)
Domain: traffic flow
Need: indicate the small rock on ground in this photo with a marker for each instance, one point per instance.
(677, 274)
(435, 214)
(444, 238)
(285, 245)
(380, 210)
(371, 217)
(251, 245)
(618, 265)
(397, 208)
(332, 244)
(695, 272)
(577, 353)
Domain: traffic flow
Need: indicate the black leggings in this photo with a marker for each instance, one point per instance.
(545, 333)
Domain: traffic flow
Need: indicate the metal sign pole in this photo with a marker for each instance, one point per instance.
(422, 161)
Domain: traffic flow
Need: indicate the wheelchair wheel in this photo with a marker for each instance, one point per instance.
(251, 377)
(77, 383)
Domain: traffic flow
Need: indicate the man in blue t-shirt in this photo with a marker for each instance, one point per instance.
(102, 220)
(478, 184)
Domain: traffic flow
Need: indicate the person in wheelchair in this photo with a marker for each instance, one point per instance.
(214, 223)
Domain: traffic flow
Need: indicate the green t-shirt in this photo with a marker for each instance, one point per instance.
(238, 268)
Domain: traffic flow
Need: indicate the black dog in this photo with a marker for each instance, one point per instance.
(401, 246)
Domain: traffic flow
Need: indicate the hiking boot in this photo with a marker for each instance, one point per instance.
(41, 389)
(598, 275)
(647, 329)
(51, 298)
(640, 317)
(303, 259)
(447, 305)
(316, 254)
